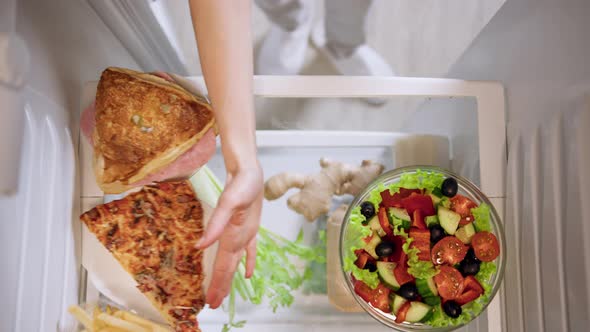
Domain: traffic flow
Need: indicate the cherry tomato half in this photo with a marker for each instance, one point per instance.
(449, 250)
(486, 246)
(449, 283)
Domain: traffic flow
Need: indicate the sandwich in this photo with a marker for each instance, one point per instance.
(153, 234)
(146, 128)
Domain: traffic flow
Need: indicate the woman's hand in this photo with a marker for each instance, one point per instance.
(235, 223)
(223, 32)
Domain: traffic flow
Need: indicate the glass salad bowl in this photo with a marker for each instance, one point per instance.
(422, 249)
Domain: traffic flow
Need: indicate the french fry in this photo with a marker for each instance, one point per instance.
(114, 320)
(110, 310)
(121, 324)
(110, 329)
(130, 317)
(82, 316)
(96, 323)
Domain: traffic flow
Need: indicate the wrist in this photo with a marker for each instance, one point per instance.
(240, 155)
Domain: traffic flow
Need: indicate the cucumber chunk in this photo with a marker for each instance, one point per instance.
(435, 199)
(449, 220)
(432, 301)
(385, 271)
(400, 213)
(465, 233)
(417, 312)
(398, 301)
(406, 224)
(430, 313)
(375, 226)
(370, 247)
(431, 221)
(445, 202)
(426, 287)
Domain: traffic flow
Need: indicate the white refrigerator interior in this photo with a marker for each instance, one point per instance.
(524, 140)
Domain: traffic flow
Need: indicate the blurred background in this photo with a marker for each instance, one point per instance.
(416, 38)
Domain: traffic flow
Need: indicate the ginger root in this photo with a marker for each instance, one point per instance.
(315, 197)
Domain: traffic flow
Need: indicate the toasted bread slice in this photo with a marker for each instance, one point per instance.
(152, 234)
(143, 123)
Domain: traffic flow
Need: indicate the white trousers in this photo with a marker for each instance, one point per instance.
(345, 20)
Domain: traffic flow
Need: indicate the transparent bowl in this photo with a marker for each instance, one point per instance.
(466, 188)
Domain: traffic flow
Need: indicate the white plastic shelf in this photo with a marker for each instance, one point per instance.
(301, 151)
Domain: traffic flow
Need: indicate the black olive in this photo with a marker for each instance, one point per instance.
(408, 291)
(452, 309)
(367, 210)
(436, 233)
(449, 187)
(371, 266)
(384, 249)
(470, 257)
(468, 268)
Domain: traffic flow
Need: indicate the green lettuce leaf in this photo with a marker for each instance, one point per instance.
(354, 241)
(419, 269)
(397, 226)
(440, 319)
(471, 309)
(481, 215)
(486, 271)
(418, 180)
(375, 196)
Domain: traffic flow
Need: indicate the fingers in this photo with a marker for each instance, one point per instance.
(253, 223)
(230, 204)
(235, 223)
(223, 272)
(250, 257)
(219, 220)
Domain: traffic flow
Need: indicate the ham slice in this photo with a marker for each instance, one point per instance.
(88, 122)
(183, 167)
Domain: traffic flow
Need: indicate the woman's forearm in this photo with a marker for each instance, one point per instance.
(223, 32)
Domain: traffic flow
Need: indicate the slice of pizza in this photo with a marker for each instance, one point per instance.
(152, 234)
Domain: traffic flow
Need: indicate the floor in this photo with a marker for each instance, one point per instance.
(417, 38)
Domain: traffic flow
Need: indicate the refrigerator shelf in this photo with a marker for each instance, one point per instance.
(291, 150)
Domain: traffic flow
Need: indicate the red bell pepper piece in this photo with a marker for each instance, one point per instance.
(401, 270)
(472, 290)
(421, 242)
(418, 219)
(363, 258)
(398, 242)
(402, 312)
(419, 202)
(378, 297)
(471, 283)
(467, 297)
(395, 200)
(384, 222)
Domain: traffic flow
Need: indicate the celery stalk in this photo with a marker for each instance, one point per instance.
(275, 277)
